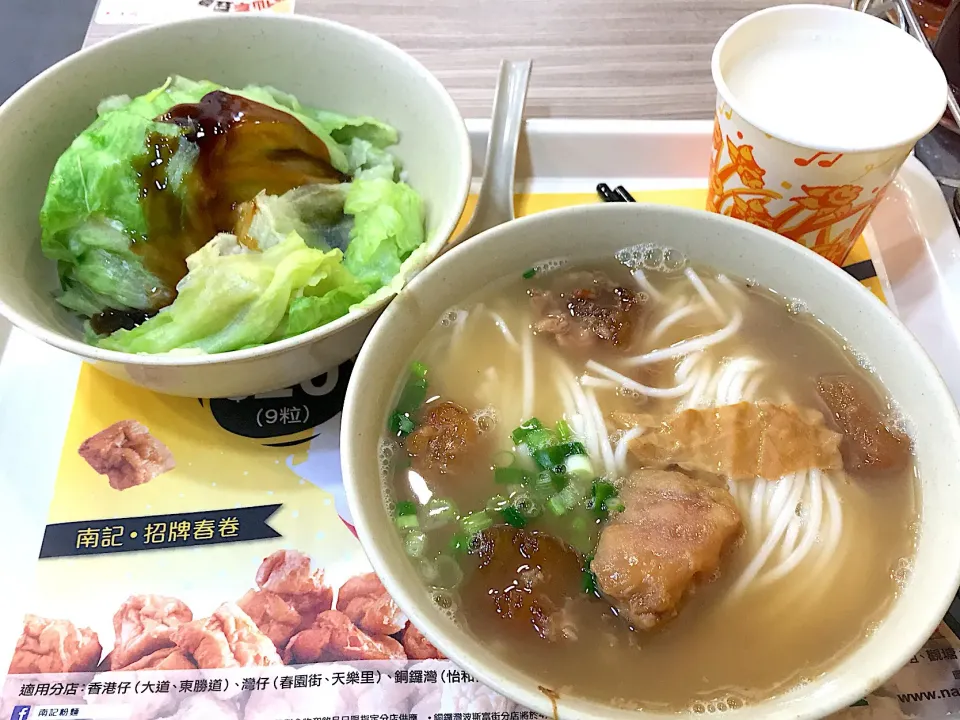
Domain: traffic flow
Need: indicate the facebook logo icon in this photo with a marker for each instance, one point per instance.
(20, 712)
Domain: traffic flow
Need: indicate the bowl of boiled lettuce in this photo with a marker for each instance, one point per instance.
(223, 206)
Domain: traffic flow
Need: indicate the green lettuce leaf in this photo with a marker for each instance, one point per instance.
(322, 249)
(233, 298)
(91, 213)
(333, 290)
(175, 91)
(388, 226)
(340, 127)
(314, 212)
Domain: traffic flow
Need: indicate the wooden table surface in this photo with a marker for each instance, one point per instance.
(592, 58)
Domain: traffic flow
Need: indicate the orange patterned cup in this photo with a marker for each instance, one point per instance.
(817, 109)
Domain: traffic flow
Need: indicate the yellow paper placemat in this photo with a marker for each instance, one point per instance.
(858, 263)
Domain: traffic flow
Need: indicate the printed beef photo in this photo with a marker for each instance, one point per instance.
(417, 647)
(228, 638)
(144, 627)
(275, 617)
(55, 646)
(290, 596)
(367, 603)
(334, 637)
(127, 454)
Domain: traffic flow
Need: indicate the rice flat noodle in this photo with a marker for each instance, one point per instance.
(815, 546)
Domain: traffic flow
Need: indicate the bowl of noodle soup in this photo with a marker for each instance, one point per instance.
(641, 460)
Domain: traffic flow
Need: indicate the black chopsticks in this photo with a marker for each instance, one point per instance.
(618, 194)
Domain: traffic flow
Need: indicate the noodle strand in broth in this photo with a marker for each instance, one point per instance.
(623, 407)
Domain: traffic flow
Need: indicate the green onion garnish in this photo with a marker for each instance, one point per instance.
(406, 507)
(407, 522)
(513, 517)
(553, 455)
(411, 398)
(497, 503)
(557, 505)
(527, 274)
(525, 503)
(512, 476)
(614, 505)
(569, 497)
(589, 582)
(539, 439)
(460, 543)
(504, 458)
(602, 491)
(401, 424)
(418, 369)
(439, 512)
(415, 543)
(547, 482)
(519, 434)
(564, 431)
(476, 522)
(580, 466)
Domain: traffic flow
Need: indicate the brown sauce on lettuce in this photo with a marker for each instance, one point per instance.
(242, 148)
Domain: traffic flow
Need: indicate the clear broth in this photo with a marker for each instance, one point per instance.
(714, 655)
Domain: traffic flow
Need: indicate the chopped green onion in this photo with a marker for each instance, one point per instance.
(527, 274)
(544, 459)
(564, 431)
(569, 449)
(547, 482)
(439, 512)
(412, 396)
(559, 479)
(513, 517)
(428, 571)
(614, 505)
(519, 434)
(460, 543)
(447, 572)
(557, 505)
(407, 522)
(504, 458)
(401, 424)
(602, 491)
(497, 503)
(524, 502)
(568, 498)
(512, 476)
(418, 369)
(476, 522)
(580, 466)
(415, 543)
(406, 507)
(554, 455)
(538, 440)
(589, 582)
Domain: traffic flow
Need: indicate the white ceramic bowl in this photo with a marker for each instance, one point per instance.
(729, 246)
(324, 64)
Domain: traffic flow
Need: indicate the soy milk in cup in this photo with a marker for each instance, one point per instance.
(817, 109)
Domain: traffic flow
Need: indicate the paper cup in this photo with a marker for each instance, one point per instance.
(817, 109)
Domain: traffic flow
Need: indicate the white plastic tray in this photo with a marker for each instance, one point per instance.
(913, 243)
